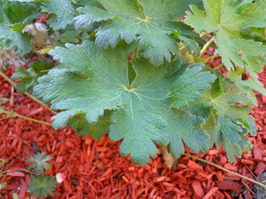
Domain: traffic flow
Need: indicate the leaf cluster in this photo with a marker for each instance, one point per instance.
(40, 184)
(123, 69)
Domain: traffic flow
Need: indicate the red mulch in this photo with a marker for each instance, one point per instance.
(95, 169)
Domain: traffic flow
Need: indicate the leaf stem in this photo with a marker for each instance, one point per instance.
(211, 57)
(13, 114)
(205, 47)
(204, 34)
(217, 67)
(8, 79)
(27, 94)
(226, 170)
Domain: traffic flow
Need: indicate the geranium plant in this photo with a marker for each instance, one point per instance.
(133, 70)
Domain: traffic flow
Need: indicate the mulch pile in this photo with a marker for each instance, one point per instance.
(95, 169)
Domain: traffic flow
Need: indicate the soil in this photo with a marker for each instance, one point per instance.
(95, 169)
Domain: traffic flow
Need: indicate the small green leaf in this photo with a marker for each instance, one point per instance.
(68, 37)
(247, 86)
(42, 185)
(40, 162)
(228, 134)
(95, 130)
(29, 76)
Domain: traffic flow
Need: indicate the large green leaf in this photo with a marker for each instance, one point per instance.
(143, 20)
(98, 81)
(227, 19)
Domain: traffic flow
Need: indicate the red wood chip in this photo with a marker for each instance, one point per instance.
(198, 188)
(211, 192)
(257, 152)
(230, 185)
(260, 168)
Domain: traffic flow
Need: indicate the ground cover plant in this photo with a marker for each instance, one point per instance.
(133, 70)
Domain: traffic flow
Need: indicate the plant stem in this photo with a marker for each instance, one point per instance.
(10, 170)
(211, 57)
(217, 67)
(226, 170)
(27, 94)
(205, 47)
(12, 114)
(8, 79)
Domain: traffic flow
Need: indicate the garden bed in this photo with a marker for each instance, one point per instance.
(95, 169)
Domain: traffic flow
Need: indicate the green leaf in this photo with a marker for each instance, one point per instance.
(29, 76)
(95, 130)
(40, 162)
(145, 21)
(231, 136)
(63, 13)
(184, 126)
(254, 14)
(231, 103)
(89, 16)
(188, 86)
(247, 86)
(192, 45)
(68, 37)
(98, 81)
(229, 122)
(42, 185)
(227, 21)
(20, 14)
(9, 37)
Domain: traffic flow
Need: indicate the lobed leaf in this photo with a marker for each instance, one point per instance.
(40, 163)
(141, 113)
(63, 13)
(145, 21)
(42, 185)
(225, 108)
(227, 20)
(13, 18)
